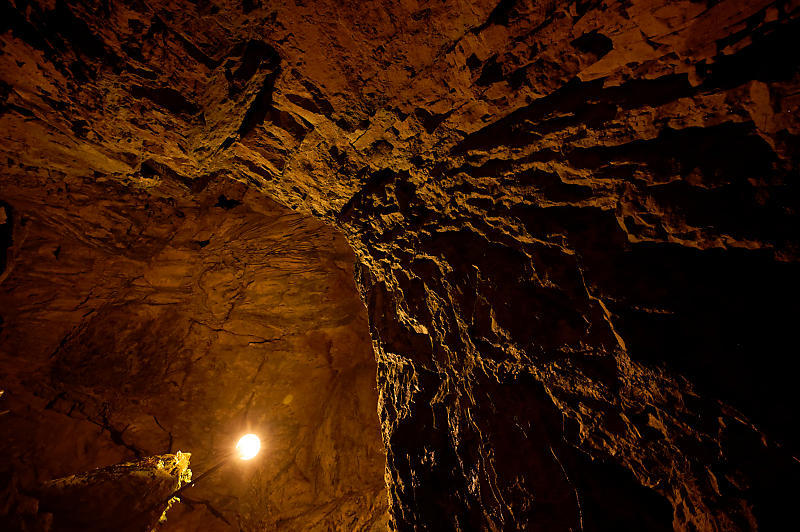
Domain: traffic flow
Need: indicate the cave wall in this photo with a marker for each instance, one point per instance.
(575, 223)
(181, 324)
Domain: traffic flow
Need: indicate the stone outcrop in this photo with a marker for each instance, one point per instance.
(130, 497)
(575, 223)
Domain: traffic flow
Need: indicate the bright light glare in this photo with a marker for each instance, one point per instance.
(248, 446)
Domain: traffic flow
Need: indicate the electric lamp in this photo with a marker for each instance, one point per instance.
(246, 449)
(248, 446)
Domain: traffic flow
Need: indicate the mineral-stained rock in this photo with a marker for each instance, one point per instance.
(575, 225)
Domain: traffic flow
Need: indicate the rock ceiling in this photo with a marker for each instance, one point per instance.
(574, 225)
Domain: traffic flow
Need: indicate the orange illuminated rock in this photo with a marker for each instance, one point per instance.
(575, 229)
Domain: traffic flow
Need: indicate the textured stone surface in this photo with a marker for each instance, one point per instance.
(575, 223)
(131, 497)
(127, 497)
(180, 324)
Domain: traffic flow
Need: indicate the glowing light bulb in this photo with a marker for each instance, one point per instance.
(248, 446)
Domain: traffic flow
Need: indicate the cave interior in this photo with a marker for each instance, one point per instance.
(461, 265)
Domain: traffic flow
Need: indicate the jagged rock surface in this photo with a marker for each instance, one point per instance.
(575, 223)
(129, 497)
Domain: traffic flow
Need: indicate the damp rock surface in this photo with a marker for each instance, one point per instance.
(575, 227)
